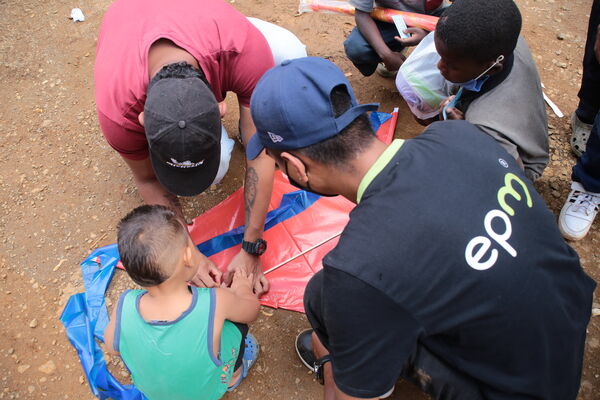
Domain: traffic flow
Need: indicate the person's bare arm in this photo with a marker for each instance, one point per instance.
(258, 186)
(153, 192)
(149, 187)
(238, 303)
(109, 332)
(367, 27)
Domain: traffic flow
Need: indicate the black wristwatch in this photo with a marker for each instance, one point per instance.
(255, 248)
(319, 370)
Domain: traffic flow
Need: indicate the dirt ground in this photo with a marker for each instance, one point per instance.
(62, 189)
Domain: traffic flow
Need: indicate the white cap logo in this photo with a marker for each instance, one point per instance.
(275, 138)
(184, 164)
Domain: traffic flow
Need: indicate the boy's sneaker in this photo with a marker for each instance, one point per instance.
(580, 134)
(384, 72)
(578, 213)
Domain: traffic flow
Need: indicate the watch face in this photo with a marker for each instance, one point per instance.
(261, 246)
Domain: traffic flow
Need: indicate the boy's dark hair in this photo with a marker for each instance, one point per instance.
(148, 238)
(480, 29)
(352, 140)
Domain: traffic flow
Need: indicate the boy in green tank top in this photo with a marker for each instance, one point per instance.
(179, 342)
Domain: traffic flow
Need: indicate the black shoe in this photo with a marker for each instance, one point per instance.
(304, 348)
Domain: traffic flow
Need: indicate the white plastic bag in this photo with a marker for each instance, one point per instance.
(226, 149)
(420, 82)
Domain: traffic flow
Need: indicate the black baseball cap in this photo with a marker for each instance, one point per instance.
(183, 129)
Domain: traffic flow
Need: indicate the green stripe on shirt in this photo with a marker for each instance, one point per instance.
(378, 166)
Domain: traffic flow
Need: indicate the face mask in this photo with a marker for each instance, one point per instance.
(474, 85)
(307, 188)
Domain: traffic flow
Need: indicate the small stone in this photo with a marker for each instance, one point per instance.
(561, 36)
(30, 389)
(46, 123)
(23, 368)
(81, 380)
(43, 379)
(33, 323)
(35, 285)
(594, 343)
(11, 351)
(297, 381)
(48, 368)
(562, 65)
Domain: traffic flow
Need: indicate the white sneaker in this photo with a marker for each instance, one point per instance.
(580, 134)
(384, 72)
(578, 213)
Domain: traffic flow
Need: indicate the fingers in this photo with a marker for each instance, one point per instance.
(228, 278)
(454, 113)
(448, 100)
(265, 283)
(203, 279)
(216, 273)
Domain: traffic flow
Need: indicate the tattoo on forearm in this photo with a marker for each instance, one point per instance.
(173, 201)
(250, 191)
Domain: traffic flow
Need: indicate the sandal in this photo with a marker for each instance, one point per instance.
(251, 350)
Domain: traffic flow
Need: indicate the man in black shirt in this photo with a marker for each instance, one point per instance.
(451, 271)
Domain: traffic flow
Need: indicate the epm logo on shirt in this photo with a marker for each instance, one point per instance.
(480, 252)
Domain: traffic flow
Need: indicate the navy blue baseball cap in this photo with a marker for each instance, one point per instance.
(291, 105)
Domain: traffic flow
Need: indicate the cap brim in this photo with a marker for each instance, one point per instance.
(187, 181)
(254, 147)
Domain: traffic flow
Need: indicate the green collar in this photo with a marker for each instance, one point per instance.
(377, 167)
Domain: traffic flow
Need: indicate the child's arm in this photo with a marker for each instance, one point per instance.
(109, 332)
(238, 303)
(366, 26)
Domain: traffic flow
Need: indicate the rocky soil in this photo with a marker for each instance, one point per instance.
(62, 189)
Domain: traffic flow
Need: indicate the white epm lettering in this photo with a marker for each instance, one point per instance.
(479, 253)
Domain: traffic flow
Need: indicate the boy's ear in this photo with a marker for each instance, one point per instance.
(187, 256)
(295, 167)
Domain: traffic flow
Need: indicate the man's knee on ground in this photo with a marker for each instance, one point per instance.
(312, 293)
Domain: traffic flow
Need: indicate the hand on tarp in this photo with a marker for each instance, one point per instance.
(251, 264)
(208, 274)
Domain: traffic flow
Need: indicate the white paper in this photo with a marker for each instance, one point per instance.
(77, 15)
(401, 26)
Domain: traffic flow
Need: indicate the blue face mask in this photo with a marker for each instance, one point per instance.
(474, 85)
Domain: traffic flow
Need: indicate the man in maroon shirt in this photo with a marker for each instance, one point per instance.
(161, 76)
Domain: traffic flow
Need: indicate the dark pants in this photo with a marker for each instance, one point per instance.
(360, 52)
(243, 328)
(587, 169)
(589, 93)
(423, 369)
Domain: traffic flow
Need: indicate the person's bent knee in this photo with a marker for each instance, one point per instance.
(312, 293)
(357, 48)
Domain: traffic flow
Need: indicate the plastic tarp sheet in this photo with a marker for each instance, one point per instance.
(296, 225)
